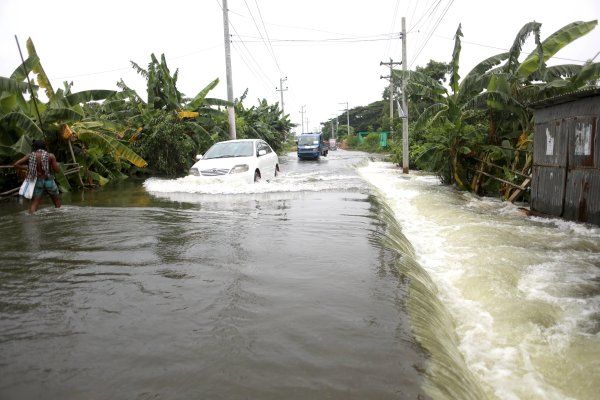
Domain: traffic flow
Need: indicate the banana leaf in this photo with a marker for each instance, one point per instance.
(114, 146)
(23, 122)
(553, 44)
(589, 72)
(61, 115)
(19, 74)
(37, 68)
(454, 64)
(515, 50)
(88, 95)
(12, 86)
(199, 98)
(22, 146)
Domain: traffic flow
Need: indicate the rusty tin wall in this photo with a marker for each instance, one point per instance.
(566, 172)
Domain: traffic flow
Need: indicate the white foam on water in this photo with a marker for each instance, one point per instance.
(283, 183)
(521, 289)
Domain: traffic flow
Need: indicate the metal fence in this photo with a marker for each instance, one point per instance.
(566, 159)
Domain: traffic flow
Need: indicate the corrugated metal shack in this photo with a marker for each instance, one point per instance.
(566, 157)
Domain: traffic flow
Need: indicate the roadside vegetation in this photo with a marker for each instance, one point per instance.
(116, 134)
(460, 126)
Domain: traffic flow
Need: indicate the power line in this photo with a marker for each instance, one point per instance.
(392, 25)
(261, 35)
(370, 38)
(414, 25)
(129, 67)
(432, 31)
(414, 9)
(268, 38)
(305, 28)
(427, 23)
(251, 57)
(504, 49)
(262, 77)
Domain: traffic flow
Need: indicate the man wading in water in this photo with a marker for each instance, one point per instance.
(39, 164)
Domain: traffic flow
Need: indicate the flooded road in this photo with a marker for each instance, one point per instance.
(340, 279)
(176, 291)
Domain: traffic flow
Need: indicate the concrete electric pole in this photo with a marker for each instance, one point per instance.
(230, 109)
(347, 119)
(391, 63)
(302, 112)
(281, 89)
(404, 105)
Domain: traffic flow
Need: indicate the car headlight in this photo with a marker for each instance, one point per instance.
(194, 171)
(239, 168)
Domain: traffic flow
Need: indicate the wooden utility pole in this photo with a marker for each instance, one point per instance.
(230, 109)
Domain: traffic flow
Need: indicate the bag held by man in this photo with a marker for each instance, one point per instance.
(27, 187)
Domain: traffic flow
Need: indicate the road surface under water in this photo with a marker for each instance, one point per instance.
(339, 279)
(176, 290)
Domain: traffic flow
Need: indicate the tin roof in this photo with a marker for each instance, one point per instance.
(566, 97)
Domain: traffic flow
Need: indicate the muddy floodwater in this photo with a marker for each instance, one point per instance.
(340, 279)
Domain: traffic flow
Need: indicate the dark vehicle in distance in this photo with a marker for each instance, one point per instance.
(310, 146)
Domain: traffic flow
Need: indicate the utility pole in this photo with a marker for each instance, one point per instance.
(404, 106)
(281, 89)
(302, 112)
(347, 118)
(230, 109)
(391, 63)
(332, 134)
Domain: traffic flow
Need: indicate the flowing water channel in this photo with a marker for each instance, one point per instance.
(340, 279)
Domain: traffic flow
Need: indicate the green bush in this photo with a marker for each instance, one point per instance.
(352, 142)
(371, 143)
(166, 145)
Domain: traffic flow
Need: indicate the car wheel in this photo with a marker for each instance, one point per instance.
(276, 170)
(256, 176)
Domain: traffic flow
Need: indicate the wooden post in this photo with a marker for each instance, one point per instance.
(75, 161)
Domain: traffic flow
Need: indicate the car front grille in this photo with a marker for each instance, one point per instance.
(214, 172)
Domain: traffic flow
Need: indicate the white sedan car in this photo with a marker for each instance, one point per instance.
(249, 160)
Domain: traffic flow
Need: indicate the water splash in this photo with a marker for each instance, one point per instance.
(523, 293)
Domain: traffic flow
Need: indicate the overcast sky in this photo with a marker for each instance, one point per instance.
(329, 49)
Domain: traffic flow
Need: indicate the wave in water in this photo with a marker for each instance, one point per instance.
(312, 182)
(522, 293)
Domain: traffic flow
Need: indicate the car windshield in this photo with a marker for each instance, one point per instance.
(304, 140)
(230, 149)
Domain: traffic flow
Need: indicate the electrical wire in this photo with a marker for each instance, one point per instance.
(369, 38)
(305, 28)
(129, 67)
(432, 32)
(427, 23)
(505, 49)
(268, 38)
(261, 35)
(251, 57)
(392, 25)
(422, 15)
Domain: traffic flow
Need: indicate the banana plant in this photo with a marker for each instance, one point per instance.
(21, 121)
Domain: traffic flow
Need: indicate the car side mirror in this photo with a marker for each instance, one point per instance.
(262, 152)
(198, 157)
